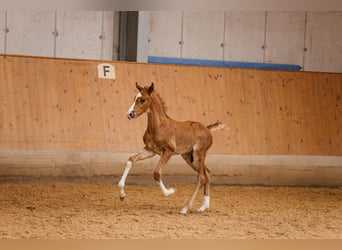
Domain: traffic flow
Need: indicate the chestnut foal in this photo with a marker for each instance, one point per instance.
(167, 137)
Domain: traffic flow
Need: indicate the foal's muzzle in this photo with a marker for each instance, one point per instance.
(132, 115)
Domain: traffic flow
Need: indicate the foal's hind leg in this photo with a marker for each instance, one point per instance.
(202, 179)
(206, 202)
(188, 157)
(143, 154)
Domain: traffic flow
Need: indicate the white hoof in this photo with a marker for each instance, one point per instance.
(122, 197)
(202, 208)
(166, 191)
(184, 210)
(122, 193)
(169, 191)
(205, 205)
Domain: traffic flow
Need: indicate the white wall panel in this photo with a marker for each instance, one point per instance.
(30, 32)
(116, 36)
(108, 35)
(285, 37)
(244, 36)
(324, 42)
(143, 36)
(165, 33)
(2, 32)
(79, 34)
(203, 35)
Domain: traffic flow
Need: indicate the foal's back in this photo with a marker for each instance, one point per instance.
(191, 135)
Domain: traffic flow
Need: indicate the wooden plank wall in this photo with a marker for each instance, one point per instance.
(61, 105)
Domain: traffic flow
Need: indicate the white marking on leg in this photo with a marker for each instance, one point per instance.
(165, 191)
(123, 179)
(205, 205)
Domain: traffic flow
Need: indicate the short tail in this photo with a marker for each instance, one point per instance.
(217, 126)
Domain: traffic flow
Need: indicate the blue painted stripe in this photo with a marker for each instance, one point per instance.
(229, 64)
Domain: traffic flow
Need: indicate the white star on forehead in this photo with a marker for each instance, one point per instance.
(138, 95)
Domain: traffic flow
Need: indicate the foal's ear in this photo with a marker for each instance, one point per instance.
(151, 88)
(138, 86)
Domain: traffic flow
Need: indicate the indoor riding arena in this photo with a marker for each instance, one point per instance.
(66, 140)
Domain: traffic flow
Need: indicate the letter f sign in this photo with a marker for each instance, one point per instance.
(106, 70)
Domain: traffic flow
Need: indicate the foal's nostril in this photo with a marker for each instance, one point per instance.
(131, 115)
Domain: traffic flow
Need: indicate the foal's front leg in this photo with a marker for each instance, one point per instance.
(165, 157)
(143, 154)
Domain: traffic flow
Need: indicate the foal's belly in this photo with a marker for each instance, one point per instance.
(176, 145)
(183, 149)
(160, 148)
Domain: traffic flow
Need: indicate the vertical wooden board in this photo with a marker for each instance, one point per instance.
(181, 105)
(121, 134)
(315, 98)
(3, 94)
(285, 37)
(76, 26)
(165, 33)
(244, 36)
(54, 111)
(30, 32)
(212, 103)
(290, 115)
(108, 35)
(2, 34)
(275, 110)
(203, 35)
(323, 42)
(315, 115)
(6, 120)
(17, 106)
(76, 109)
(239, 112)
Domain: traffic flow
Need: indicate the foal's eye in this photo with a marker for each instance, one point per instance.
(142, 100)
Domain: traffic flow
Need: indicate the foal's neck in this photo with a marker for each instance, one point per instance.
(157, 113)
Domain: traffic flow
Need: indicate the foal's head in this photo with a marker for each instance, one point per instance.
(142, 101)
